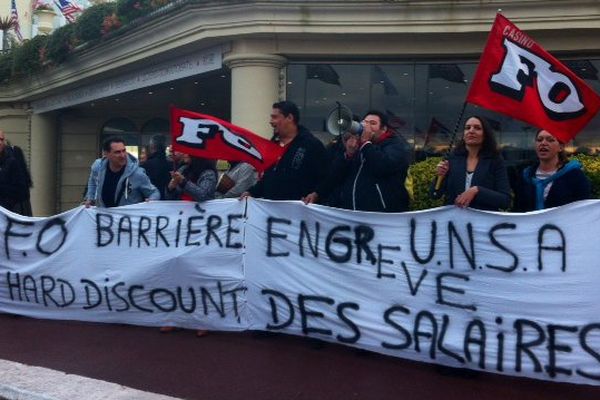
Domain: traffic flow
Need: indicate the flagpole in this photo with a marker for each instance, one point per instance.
(426, 106)
(440, 178)
(305, 110)
(370, 88)
(414, 123)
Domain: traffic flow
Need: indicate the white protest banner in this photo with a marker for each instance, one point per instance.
(158, 264)
(506, 293)
(515, 294)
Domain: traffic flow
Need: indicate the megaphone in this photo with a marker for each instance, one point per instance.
(339, 121)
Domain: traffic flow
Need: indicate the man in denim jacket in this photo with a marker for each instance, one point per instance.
(120, 180)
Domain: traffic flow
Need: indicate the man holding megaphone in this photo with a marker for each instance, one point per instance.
(369, 174)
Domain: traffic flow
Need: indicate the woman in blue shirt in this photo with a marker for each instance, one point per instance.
(553, 181)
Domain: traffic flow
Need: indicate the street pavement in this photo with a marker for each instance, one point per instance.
(238, 366)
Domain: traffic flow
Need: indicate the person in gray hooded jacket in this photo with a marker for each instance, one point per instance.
(120, 180)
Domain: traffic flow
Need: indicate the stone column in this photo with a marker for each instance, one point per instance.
(43, 165)
(254, 89)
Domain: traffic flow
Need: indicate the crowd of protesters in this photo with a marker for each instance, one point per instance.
(364, 172)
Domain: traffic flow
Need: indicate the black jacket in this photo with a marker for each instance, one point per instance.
(372, 180)
(14, 185)
(157, 168)
(570, 187)
(490, 177)
(297, 173)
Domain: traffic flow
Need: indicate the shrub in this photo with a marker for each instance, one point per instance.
(6, 63)
(591, 167)
(89, 23)
(110, 23)
(28, 59)
(61, 43)
(422, 174)
(128, 10)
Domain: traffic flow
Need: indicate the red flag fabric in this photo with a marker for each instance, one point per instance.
(209, 137)
(517, 77)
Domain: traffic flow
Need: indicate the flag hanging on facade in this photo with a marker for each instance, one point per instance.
(14, 17)
(69, 9)
(448, 72)
(517, 77)
(583, 69)
(394, 121)
(438, 131)
(324, 73)
(209, 137)
(378, 76)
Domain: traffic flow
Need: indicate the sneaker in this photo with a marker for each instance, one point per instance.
(201, 333)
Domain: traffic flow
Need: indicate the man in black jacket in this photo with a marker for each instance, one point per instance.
(300, 169)
(369, 175)
(157, 166)
(14, 183)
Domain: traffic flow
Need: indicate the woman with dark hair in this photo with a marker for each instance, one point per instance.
(554, 180)
(195, 180)
(474, 175)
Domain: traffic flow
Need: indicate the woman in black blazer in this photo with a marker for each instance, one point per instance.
(474, 175)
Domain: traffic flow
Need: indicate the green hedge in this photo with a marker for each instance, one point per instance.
(89, 24)
(591, 167)
(93, 25)
(29, 58)
(129, 10)
(61, 43)
(6, 64)
(423, 173)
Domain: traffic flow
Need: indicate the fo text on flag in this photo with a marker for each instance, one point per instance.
(206, 136)
(517, 77)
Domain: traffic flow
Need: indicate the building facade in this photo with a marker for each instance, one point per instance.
(411, 59)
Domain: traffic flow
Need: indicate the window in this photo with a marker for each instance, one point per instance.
(423, 102)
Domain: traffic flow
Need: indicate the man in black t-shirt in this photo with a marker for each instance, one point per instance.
(111, 179)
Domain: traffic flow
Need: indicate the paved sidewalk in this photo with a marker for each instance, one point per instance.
(232, 366)
(25, 382)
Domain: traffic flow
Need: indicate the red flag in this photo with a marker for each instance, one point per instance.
(209, 137)
(517, 77)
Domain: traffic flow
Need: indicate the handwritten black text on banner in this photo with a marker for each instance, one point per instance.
(513, 294)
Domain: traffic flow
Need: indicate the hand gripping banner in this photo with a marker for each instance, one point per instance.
(209, 137)
(517, 77)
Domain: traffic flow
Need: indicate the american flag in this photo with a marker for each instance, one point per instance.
(68, 8)
(14, 17)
